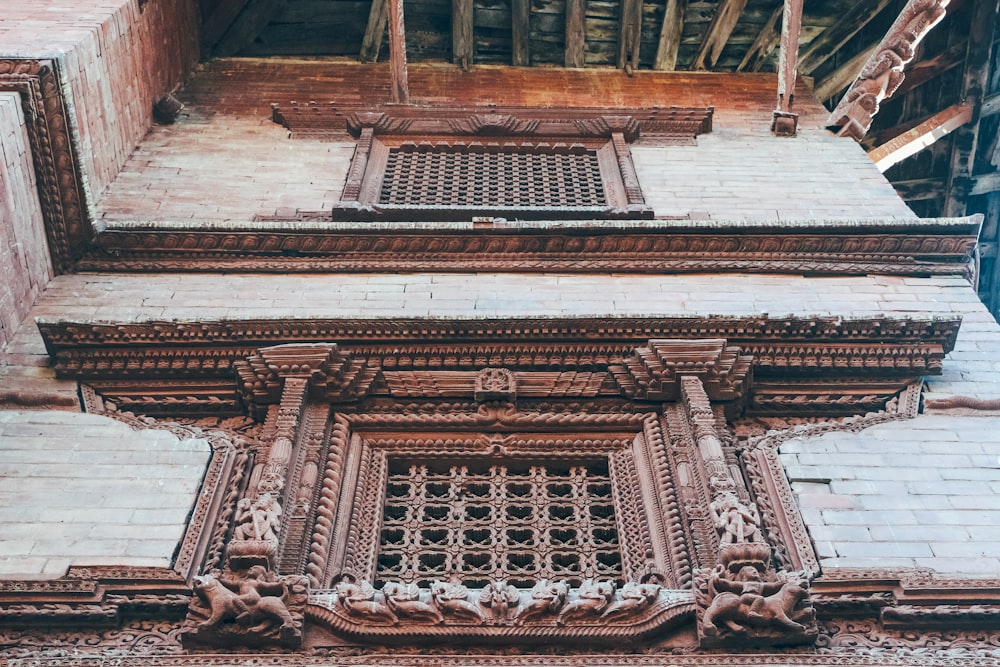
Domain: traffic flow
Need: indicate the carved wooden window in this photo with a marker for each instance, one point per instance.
(520, 521)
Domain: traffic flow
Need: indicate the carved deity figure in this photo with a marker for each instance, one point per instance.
(546, 598)
(635, 598)
(357, 598)
(258, 519)
(254, 605)
(594, 598)
(452, 598)
(735, 521)
(746, 604)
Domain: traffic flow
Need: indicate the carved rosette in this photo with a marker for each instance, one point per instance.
(250, 608)
(742, 601)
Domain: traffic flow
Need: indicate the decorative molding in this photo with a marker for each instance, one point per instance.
(892, 247)
(334, 119)
(60, 183)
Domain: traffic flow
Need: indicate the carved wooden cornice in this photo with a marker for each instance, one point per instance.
(60, 185)
(333, 119)
(891, 247)
(822, 365)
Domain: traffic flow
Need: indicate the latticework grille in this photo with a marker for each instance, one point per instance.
(492, 176)
(516, 522)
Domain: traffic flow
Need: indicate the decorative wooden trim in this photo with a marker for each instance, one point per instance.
(60, 183)
(941, 246)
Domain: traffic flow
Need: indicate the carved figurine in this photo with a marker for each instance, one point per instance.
(594, 597)
(452, 600)
(357, 598)
(635, 597)
(404, 601)
(546, 598)
(746, 603)
(735, 522)
(499, 597)
(258, 519)
(254, 607)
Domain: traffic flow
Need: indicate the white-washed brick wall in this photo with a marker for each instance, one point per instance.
(78, 489)
(24, 258)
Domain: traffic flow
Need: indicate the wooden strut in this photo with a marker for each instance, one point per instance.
(397, 54)
(785, 121)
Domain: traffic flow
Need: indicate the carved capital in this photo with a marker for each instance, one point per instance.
(653, 372)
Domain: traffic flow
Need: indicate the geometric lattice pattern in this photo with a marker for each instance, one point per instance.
(516, 522)
(492, 176)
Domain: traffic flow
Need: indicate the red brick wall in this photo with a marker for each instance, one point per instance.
(24, 257)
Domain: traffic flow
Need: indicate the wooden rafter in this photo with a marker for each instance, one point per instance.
(248, 25)
(629, 33)
(218, 21)
(828, 42)
(520, 18)
(462, 45)
(576, 11)
(715, 39)
(397, 53)
(371, 44)
(974, 84)
(766, 41)
(919, 73)
(920, 137)
(791, 25)
(919, 189)
(842, 77)
(670, 35)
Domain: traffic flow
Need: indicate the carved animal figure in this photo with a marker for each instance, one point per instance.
(546, 598)
(252, 599)
(752, 603)
(358, 599)
(594, 597)
(634, 598)
(499, 597)
(404, 600)
(452, 600)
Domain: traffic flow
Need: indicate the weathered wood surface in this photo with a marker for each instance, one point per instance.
(248, 25)
(764, 44)
(576, 11)
(371, 44)
(714, 41)
(670, 35)
(829, 42)
(520, 19)
(920, 137)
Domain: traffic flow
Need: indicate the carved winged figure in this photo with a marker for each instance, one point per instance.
(594, 597)
(404, 601)
(452, 600)
(749, 603)
(358, 599)
(499, 597)
(256, 602)
(546, 598)
(635, 597)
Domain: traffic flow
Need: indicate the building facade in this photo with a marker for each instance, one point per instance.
(534, 365)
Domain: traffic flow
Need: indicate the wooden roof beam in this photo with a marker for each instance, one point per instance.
(670, 35)
(576, 12)
(248, 25)
(882, 74)
(828, 42)
(462, 45)
(842, 77)
(629, 34)
(974, 85)
(715, 39)
(371, 44)
(400, 86)
(920, 137)
(766, 41)
(218, 22)
(919, 189)
(785, 122)
(520, 17)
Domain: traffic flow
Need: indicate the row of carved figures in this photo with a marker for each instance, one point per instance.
(496, 604)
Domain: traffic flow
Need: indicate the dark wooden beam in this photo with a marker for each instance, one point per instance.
(929, 69)
(218, 22)
(576, 11)
(985, 184)
(520, 19)
(722, 26)
(920, 137)
(462, 46)
(828, 42)
(844, 75)
(974, 86)
(629, 34)
(670, 35)
(248, 25)
(786, 122)
(991, 106)
(371, 44)
(766, 41)
(400, 85)
(919, 189)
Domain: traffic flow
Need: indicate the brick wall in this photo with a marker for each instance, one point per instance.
(24, 257)
(64, 500)
(115, 61)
